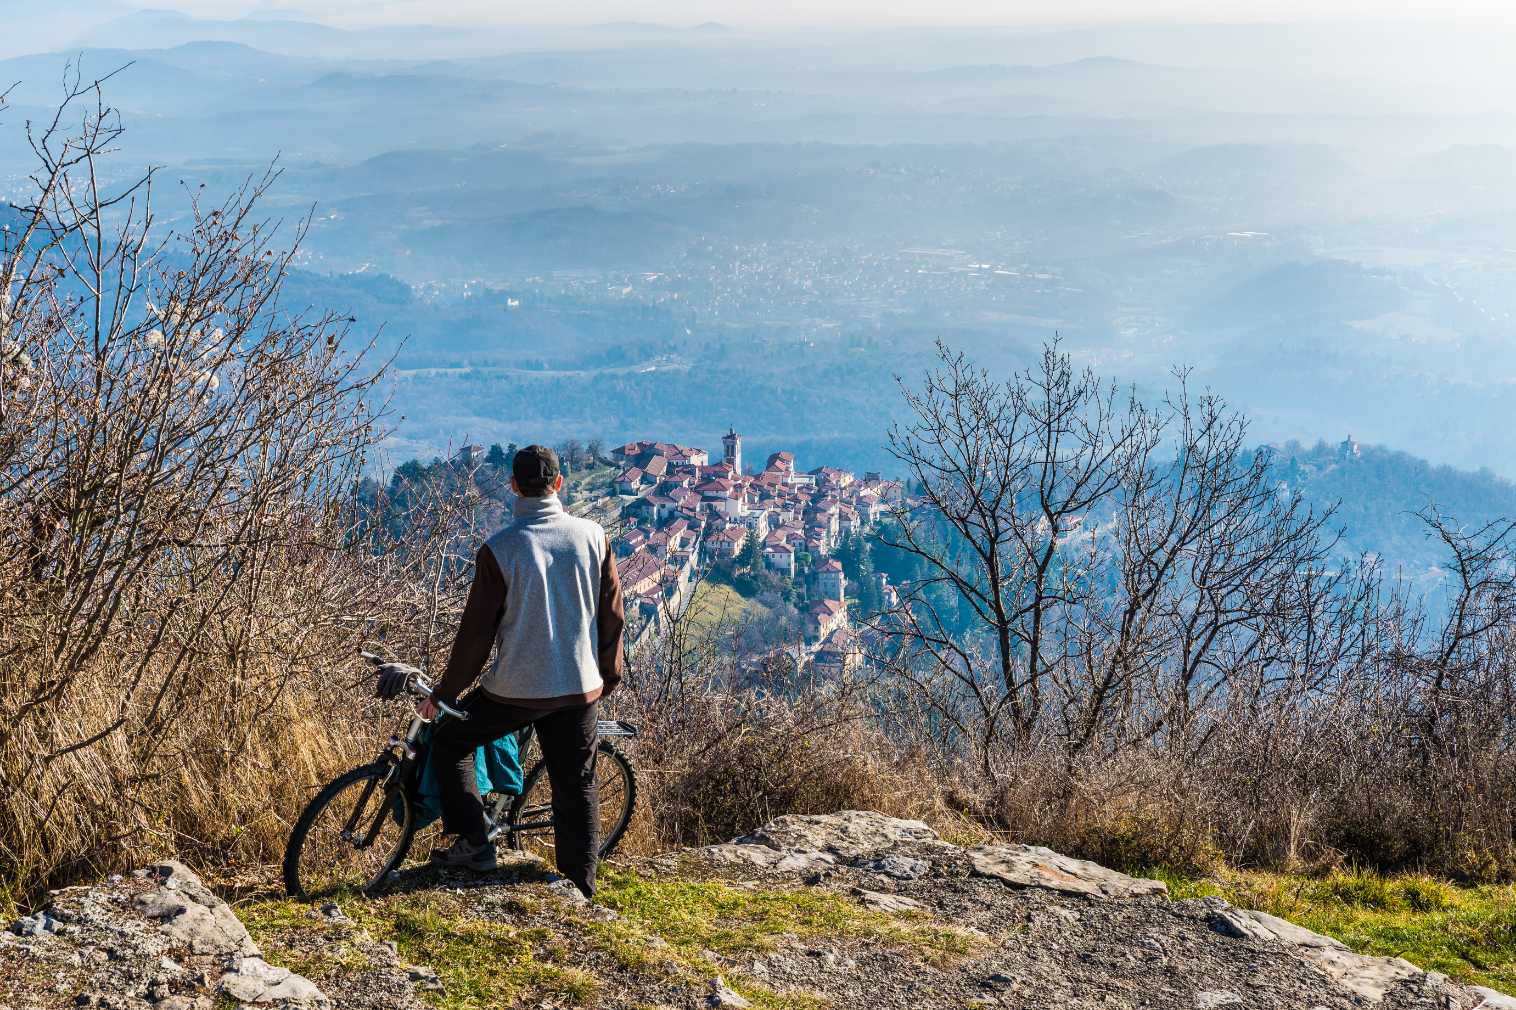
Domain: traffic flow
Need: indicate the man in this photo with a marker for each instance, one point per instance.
(547, 598)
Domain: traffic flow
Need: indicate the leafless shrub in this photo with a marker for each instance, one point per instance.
(179, 557)
(1137, 643)
(732, 738)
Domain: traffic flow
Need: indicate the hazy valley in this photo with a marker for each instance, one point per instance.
(648, 226)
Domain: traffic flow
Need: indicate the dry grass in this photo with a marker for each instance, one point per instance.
(184, 576)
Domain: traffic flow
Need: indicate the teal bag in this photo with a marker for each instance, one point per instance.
(497, 769)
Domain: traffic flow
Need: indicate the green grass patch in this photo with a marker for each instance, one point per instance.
(1468, 933)
(716, 604)
(715, 916)
(290, 937)
(667, 930)
(482, 963)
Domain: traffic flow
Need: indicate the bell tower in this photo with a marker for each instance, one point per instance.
(731, 442)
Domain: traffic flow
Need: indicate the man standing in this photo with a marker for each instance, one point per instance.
(547, 598)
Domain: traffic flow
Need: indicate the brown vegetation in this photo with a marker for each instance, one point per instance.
(179, 558)
(1165, 662)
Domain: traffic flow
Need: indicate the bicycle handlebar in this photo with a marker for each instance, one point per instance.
(419, 686)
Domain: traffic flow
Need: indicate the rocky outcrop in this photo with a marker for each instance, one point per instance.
(910, 850)
(159, 938)
(893, 852)
(807, 845)
(888, 916)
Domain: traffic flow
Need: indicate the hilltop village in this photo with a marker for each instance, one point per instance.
(685, 513)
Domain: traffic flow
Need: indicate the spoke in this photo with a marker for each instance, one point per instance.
(351, 841)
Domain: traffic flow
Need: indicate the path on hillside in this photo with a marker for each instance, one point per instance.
(844, 910)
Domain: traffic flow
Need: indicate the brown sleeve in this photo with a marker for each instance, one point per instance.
(610, 619)
(476, 631)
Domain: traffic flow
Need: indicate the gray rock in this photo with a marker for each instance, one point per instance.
(425, 978)
(1489, 999)
(1216, 998)
(254, 980)
(848, 833)
(1227, 922)
(1035, 866)
(568, 890)
(802, 862)
(1368, 977)
(189, 912)
(721, 996)
(897, 867)
(886, 902)
(34, 925)
(811, 845)
(746, 854)
(833, 960)
(185, 1003)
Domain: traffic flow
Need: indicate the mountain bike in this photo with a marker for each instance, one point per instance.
(359, 830)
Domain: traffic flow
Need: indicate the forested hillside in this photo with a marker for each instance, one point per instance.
(1380, 491)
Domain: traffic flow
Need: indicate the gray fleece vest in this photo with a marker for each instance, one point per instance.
(547, 639)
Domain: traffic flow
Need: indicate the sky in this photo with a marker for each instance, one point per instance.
(758, 12)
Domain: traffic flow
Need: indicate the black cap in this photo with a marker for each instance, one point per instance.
(535, 467)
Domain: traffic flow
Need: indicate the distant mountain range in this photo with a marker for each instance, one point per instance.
(162, 29)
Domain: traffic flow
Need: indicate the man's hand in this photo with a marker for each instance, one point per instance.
(428, 709)
(392, 680)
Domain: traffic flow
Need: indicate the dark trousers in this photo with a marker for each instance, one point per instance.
(568, 740)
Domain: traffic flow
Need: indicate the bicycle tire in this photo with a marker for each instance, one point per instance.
(317, 806)
(608, 839)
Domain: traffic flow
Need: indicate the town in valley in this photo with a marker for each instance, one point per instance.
(685, 514)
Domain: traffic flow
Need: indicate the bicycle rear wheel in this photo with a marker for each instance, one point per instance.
(349, 838)
(530, 822)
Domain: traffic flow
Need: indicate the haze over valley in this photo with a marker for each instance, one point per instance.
(646, 230)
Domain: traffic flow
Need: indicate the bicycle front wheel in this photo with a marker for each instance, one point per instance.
(351, 836)
(530, 822)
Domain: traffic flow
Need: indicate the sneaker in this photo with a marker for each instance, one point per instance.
(463, 854)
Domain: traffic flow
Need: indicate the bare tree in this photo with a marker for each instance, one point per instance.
(1004, 471)
(175, 445)
(1121, 563)
(571, 453)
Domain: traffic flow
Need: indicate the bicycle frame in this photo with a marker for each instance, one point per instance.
(401, 750)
